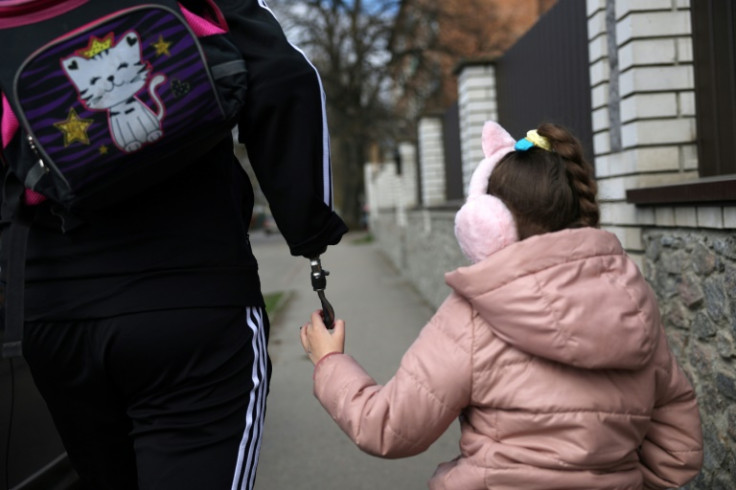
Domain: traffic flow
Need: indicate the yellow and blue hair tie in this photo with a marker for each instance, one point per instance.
(532, 139)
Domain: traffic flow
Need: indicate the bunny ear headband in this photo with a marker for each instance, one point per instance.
(484, 224)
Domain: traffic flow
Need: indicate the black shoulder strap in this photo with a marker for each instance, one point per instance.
(15, 238)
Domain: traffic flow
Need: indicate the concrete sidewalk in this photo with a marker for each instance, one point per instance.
(302, 447)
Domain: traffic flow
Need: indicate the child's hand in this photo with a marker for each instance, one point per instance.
(318, 341)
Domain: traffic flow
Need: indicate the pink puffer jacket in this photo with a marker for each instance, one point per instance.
(552, 353)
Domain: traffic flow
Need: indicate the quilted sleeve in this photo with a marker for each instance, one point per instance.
(672, 451)
(414, 408)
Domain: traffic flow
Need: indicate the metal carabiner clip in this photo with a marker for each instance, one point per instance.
(319, 283)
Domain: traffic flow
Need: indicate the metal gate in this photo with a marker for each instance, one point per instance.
(544, 77)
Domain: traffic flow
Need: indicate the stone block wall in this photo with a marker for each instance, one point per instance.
(431, 250)
(694, 276)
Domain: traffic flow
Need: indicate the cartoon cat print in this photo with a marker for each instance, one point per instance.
(109, 81)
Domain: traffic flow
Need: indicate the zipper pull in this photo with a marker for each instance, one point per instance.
(35, 151)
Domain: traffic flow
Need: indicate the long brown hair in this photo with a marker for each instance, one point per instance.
(547, 190)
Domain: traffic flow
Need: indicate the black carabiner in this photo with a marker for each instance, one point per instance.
(319, 283)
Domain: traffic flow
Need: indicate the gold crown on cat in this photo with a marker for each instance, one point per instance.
(96, 46)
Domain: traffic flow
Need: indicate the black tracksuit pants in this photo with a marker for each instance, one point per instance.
(164, 400)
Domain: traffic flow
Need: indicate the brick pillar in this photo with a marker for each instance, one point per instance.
(431, 161)
(477, 104)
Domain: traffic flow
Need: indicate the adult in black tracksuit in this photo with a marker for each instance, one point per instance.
(145, 327)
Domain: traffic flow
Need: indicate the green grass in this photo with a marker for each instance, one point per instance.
(367, 238)
(272, 301)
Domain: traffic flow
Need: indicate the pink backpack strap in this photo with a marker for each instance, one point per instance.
(33, 198)
(8, 127)
(9, 124)
(205, 26)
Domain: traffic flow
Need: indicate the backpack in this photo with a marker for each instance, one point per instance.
(102, 99)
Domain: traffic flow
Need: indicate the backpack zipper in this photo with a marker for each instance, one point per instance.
(35, 151)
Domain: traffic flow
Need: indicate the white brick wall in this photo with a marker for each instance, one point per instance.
(597, 21)
(684, 50)
(632, 25)
(729, 217)
(689, 157)
(630, 237)
(647, 106)
(710, 216)
(686, 217)
(594, 6)
(599, 96)
(642, 5)
(647, 52)
(664, 216)
(657, 132)
(622, 213)
(385, 188)
(614, 189)
(601, 119)
(601, 145)
(600, 72)
(477, 104)
(408, 178)
(657, 159)
(431, 161)
(656, 105)
(656, 79)
(598, 49)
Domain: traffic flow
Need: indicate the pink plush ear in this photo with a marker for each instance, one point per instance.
(484, 224)
(494, 138)
(496, 144)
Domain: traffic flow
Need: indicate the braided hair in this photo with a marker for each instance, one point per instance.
(547, 190)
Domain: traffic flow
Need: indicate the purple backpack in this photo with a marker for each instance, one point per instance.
(102, 98)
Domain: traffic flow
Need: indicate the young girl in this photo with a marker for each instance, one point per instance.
(550, 347)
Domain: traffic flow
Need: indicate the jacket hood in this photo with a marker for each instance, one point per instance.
(571, 296)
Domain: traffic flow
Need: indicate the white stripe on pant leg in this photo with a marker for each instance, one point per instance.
(248, 454)
(262, 393)
(250, 444)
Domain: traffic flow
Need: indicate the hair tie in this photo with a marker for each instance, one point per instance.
(533, 139)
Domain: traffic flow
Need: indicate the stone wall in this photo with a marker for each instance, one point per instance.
(694, 276)
(423, 250)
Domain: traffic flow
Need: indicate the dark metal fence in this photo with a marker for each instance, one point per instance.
(714, 52)
(544, 77)
(453, 154)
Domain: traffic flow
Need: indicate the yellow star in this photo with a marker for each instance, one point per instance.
(162, 47)
(74, 128)
(103, 150)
